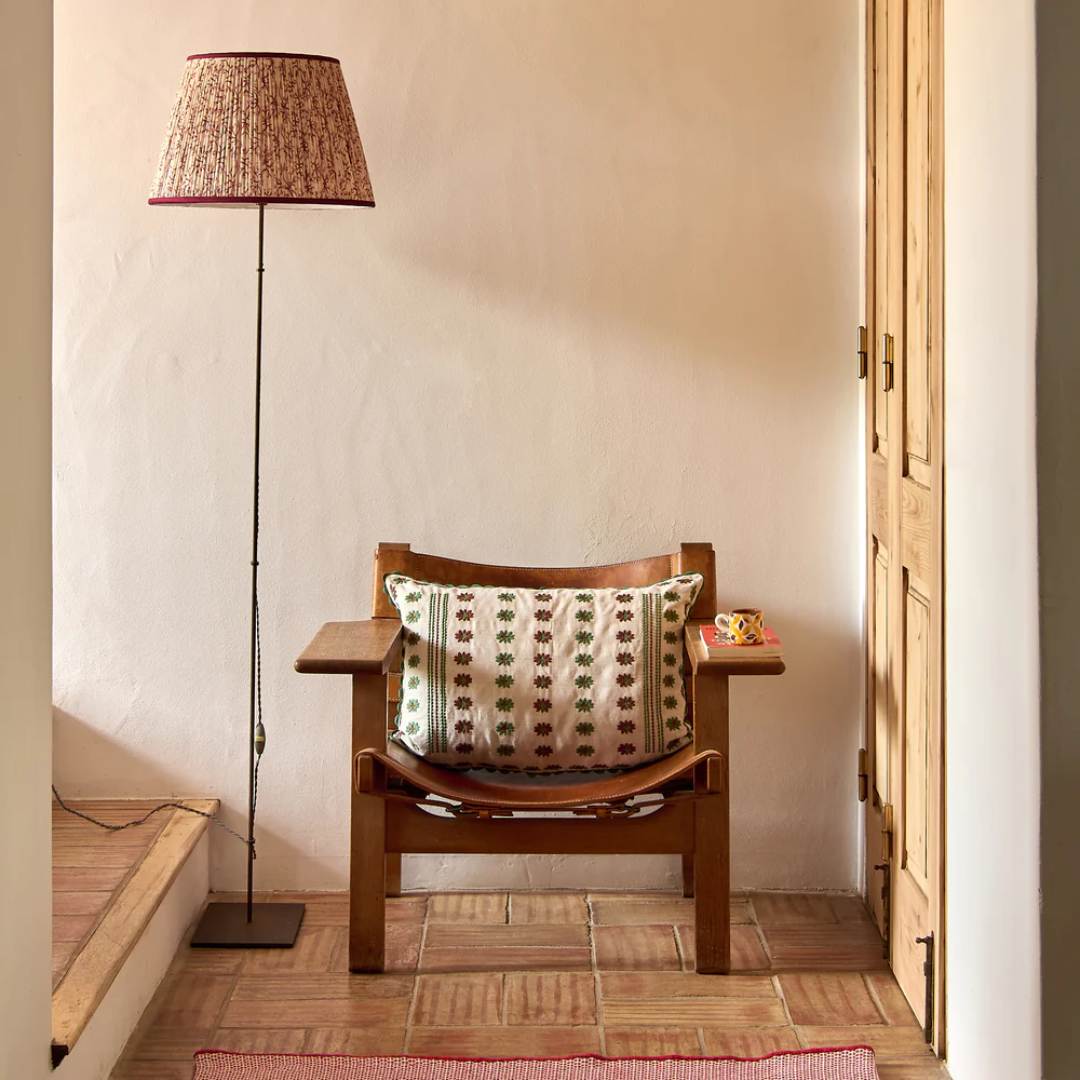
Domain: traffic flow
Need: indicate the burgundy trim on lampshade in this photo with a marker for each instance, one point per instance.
(250, 200)
(262, 128)
(277, 55)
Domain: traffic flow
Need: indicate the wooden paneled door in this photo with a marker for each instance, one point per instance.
(902, 771)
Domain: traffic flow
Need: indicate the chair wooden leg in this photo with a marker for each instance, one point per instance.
(688, 875)
(367, 885)
(368, 860)
(393, 874)
(712, 887)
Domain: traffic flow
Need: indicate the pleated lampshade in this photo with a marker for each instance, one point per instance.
(259, 128)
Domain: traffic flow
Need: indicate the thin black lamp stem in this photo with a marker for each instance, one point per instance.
(255, 580)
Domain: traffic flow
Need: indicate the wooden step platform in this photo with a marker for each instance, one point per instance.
(106, 888)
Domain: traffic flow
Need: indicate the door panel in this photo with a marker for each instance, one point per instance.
(878, 301)
(916, 786)
(881, 675)
(904, 440)
(917, 214)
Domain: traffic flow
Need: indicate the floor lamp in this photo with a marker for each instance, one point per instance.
(259, 129)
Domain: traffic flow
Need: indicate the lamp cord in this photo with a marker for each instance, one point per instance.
(113, 826)
(260, 731)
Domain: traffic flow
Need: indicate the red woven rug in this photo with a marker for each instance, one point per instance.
(849, 1063)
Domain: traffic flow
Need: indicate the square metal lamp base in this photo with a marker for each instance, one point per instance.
(225, 926)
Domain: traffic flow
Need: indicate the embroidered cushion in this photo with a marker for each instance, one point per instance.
(542, 680)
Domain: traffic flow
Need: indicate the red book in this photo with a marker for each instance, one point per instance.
(716, 645)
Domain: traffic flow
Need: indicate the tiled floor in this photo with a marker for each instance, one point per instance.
(542, 974)
(89, 866)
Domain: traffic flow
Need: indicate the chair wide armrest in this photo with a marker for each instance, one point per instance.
(350, 648)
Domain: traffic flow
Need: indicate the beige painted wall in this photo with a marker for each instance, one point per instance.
(605, 303)
(992, 677)
(25, 588)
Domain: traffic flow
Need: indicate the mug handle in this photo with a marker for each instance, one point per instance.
(723, 623)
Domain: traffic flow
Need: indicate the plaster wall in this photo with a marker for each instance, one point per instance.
(25, 573)
(605, 303)
(992, 601)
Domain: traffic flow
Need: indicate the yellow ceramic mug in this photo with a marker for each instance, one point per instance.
(743, 626)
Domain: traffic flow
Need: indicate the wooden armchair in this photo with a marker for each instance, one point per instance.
(677, 805)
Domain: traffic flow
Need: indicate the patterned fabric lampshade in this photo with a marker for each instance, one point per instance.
(259, 128)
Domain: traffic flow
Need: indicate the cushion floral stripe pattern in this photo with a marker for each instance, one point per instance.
(542, 680)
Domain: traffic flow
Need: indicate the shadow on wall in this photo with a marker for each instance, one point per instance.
(88, 764)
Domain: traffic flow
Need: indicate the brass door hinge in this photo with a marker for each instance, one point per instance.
(887, 362)
(864, 776)
(862, 352)
(886, 833)
(928, 971)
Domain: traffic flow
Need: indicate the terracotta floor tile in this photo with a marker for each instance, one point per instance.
(551, 998)
(639, 913)
(829, 999)
(635, 948)
(891, 1044)
(173, 1044)
(651, 1042)
(332, 909)
(406, 909)
(793, 909)
(850, 909)
(365, 1040)
(458, 1000)
(326, 1012)
(459, 936)
(747, 953)
(329, 912)
(511, 975)
(640, 896)
(548, 908)
(695, 1012)
(402, 948)
(96, 857)
(192, 1000)
(726, 1042)
(676, 984)
(154, 1070)
(72, 927)
(843, 947)
(313, 951)
(62, 952)
(80, 903)
(321, 987)
(890, 999)
(741, 911)
(467, 907)
(210, 961)
(258, 1041)
(511, 959)
(504, 1041)
(930, 1070)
